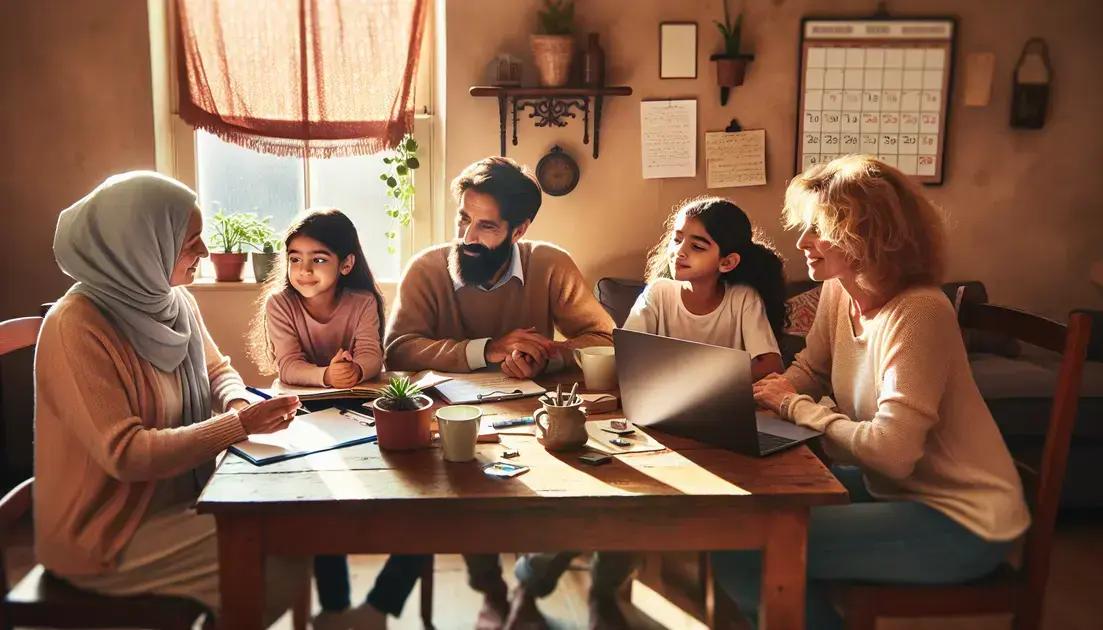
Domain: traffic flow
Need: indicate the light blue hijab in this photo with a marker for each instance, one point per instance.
(120, 243)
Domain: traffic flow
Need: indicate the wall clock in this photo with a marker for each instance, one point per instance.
(557, 172)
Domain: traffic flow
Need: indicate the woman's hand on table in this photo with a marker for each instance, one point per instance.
(771, 390)
(268, 416)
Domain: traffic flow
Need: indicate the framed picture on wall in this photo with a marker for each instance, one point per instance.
(678, 50)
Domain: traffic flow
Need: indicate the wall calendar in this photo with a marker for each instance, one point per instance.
(879, 86)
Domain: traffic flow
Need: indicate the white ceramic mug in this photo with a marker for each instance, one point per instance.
(459, 430)
(599, 367)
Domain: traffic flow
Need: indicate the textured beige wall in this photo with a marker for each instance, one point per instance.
(1024, 213)
(75, 107)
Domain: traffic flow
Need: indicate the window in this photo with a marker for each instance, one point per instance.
(232, 178)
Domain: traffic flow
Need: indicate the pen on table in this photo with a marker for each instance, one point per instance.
(265, 395)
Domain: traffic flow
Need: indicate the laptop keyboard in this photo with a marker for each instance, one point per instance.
(768, 442)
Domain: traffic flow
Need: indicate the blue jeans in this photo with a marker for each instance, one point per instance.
(392, 586)
(867, 540)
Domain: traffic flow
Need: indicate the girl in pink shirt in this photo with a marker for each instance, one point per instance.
(321, 317)
(320, 323)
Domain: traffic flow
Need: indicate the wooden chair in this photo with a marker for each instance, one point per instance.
(43, 601)
(1016, 590)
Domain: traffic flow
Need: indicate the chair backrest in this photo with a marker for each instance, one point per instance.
(13, 507)
(1043, 481)
(18, 333)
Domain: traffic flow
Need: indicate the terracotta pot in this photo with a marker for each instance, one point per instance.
(229, 267)
(730, 70)
(552, 55)
(263, 264)
(404, 430)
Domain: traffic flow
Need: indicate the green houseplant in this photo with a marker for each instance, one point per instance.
(731, 65)
(403, 415)
(230, 234)
(398, 176)
(553, 45)
(268, 252)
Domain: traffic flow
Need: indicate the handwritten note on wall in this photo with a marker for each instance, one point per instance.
(735, 159)
(668, 133)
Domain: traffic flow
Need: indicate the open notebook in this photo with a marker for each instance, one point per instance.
(367, 390)
(309, 433)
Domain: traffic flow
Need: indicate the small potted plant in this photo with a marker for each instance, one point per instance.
(265, 259)
(552, 45)
(230, 234)
(731, 65)
(402, 416)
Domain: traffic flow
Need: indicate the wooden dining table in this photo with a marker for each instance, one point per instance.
(364, 500)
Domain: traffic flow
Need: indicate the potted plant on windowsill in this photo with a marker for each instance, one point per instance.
(552, 45)
(265, 259)
(731, 65)
(402, 416)
(230, 234)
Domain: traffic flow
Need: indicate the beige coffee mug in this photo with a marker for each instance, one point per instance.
(562, 428)
(459, 430)
(599, 367)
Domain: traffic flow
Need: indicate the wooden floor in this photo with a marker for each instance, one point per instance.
(1074, 599)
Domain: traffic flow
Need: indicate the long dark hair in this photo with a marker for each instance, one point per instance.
(760, 267)
(332, 228)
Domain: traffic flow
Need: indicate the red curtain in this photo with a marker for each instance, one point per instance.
(315, 78)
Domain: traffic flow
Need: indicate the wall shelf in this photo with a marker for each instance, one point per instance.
(550, 107)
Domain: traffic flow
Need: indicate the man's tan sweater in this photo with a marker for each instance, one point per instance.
(102, 441)
(908, 411)
(432, 321)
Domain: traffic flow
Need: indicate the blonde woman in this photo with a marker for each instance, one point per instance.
(935, 497)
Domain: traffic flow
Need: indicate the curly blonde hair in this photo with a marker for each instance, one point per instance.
(876, 215)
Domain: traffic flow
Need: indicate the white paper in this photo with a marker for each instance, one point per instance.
(668, 136)
(310, 433)
(735, 159)
(639, 441)
(485, 386)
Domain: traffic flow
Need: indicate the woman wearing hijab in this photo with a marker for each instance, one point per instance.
(126, 376)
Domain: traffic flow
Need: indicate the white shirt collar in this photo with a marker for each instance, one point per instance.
(515, 271)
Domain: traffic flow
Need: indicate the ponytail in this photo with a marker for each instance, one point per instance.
(761, 268)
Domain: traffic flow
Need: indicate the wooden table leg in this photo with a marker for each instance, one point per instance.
(241, 572)
(784, 571)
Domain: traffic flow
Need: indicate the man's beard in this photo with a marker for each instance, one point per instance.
(480, 268)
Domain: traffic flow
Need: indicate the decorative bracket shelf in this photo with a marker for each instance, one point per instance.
(550, 107)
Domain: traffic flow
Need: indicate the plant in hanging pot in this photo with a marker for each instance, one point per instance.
(731, 65)
(265, 259)
(402, 416)
(552, 45)
(230, 234)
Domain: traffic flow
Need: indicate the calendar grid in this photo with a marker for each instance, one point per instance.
(884, 97)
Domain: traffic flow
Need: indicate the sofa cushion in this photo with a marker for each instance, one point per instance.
(617, 295)
(1019, 391)
(802, 311)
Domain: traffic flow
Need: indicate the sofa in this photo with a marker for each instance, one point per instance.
(1017, 381)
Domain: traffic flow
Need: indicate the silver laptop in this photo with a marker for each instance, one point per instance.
(697, 391)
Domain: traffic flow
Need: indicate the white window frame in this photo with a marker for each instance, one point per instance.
(175, 140)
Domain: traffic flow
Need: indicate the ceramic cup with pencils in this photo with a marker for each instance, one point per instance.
(561, 421)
